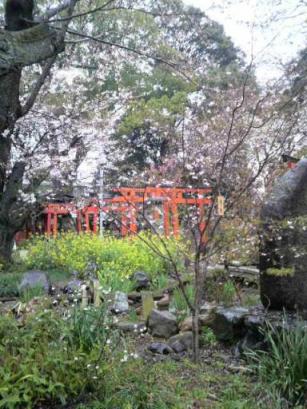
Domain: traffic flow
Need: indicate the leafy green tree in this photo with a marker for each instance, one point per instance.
(151, 128)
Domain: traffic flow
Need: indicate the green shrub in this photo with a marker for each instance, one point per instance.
(28, 293)
(9, 284)
(283, 368)
(221, 291)
(228, 293)
(160, 282)
(207, 337)
(48, 361)
(113, 260)
(88, 327)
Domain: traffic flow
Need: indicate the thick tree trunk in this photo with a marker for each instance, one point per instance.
(6, 243)
(9, 101)
(27, 47)
(17, 49)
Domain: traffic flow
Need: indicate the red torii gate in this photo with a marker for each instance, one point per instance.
(127, 203)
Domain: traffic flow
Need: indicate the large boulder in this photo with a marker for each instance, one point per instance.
(162, 324)
(283, 253)
(35, 279)
(228, 323)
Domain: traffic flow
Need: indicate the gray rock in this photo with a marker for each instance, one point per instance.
(135, 297)
(181, 342)
(283, 255)
(228, 323)
(204, 320)
(160, 348)
(251, 341)
(208, 308)
(141, 280)
(120, 304)
(35, 279)
(73, 286)
(247, 273)
(162, 324)
(125, 326)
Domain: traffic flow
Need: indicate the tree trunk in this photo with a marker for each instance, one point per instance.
(17, 49)
(6, 243)
(198, 299)
(195, 330)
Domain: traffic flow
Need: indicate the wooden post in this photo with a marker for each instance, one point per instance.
(175, 220)
(87, 222)
(55, 224)
(124, 224)
(97, 293)
(49, 223)
(202, 223)
(84, 301)
(166, 219)
(79, 221)
(148, 304)
(133, 223)
(95, 222)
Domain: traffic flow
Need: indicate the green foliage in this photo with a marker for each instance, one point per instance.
(9, 284)
(283, 368)
(48, 360)
(207, 337)
(228, 293)
(113, 260)
(28, 293)
(160, 282)
(52, 361)
(221, 291)
(178, 301)
(235, 396)
(88, 327)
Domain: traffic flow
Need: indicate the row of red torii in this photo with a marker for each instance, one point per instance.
(127, 203)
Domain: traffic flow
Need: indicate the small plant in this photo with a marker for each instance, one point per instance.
(283, 368)
(228, 293)
(207, 337)
(29, 293)
(88, 327)
(160, 282)
(9, 284)
(133, 317)
(221, 291)
(178, 302)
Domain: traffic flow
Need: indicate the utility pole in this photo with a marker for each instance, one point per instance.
(101, 195)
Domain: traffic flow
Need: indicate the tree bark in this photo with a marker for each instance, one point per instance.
(6, 243)
(17, 50)
(27, 47)
(200, 274)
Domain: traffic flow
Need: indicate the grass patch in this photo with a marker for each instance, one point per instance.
(283, 369)
(9, 284)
